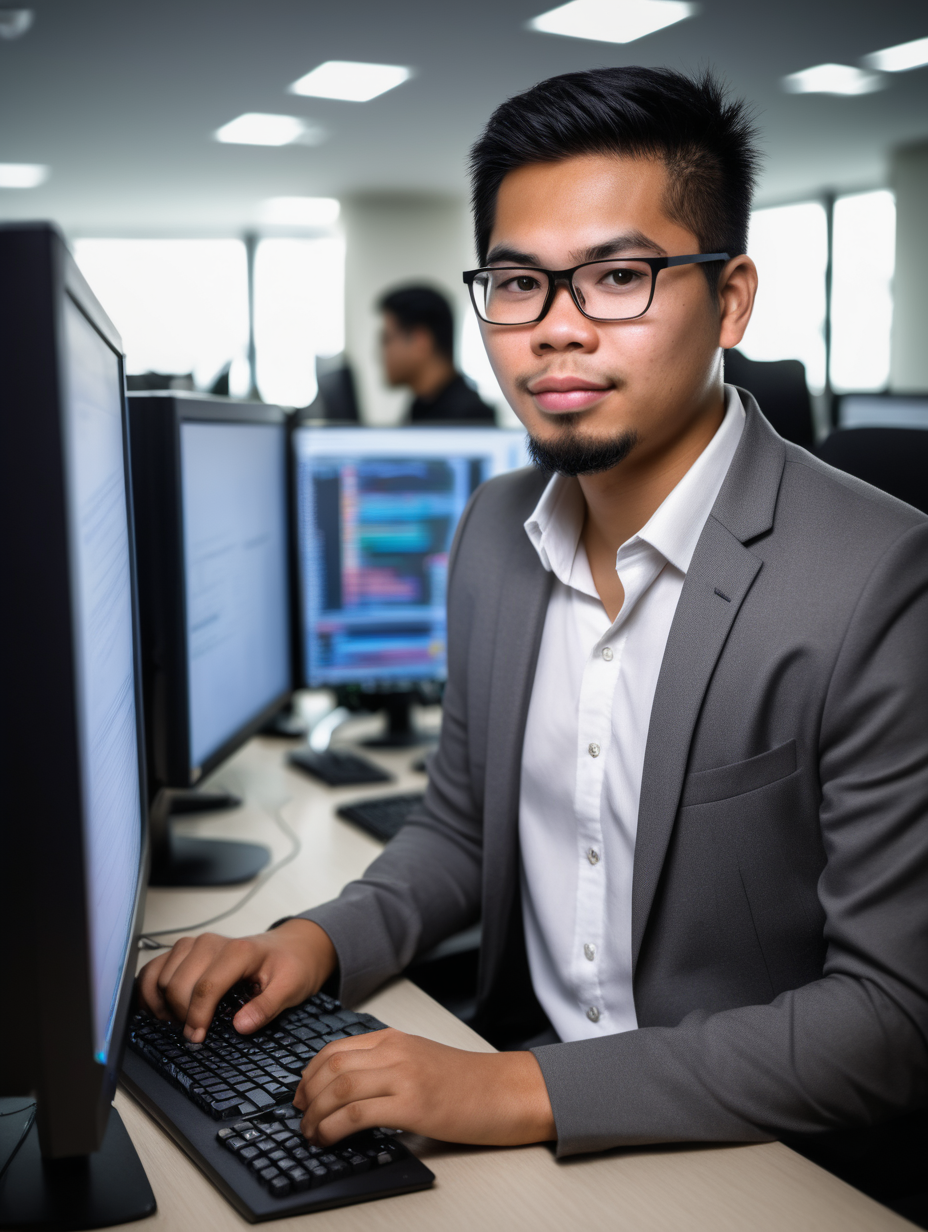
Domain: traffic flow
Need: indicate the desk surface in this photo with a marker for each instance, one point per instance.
(645, 1190)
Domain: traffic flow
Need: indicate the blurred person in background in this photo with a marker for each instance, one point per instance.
(417, 347)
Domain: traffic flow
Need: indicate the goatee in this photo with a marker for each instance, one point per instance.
(578, 455)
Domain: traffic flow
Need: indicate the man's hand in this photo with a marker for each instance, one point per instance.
(405, 1082)
(287, 965)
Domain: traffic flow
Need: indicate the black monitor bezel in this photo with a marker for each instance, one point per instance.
(156, 418)
(46, 905)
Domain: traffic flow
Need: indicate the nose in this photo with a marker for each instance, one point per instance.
(564, 327)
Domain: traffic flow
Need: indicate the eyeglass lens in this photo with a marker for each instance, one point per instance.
(610, 290)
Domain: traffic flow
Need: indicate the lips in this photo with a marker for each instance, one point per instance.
(567, 393)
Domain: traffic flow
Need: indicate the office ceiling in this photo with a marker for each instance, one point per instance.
(120, 98)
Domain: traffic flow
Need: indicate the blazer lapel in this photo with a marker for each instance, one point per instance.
(719, 577)
(519, 626)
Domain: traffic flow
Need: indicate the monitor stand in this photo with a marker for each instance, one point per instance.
(194, 801)
(90, 1191)
(400, 733)
(177, 860)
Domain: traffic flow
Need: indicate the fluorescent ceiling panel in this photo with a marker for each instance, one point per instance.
(612, 21)
(256, 128)
(900, 58)
(301, 211)
(22, 175)
(832, 79)
(351, 81)
(14, 23)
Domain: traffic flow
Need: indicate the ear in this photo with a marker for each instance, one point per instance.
(736, 292)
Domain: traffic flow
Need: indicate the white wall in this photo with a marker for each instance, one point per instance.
(908, 368)
(392, 240)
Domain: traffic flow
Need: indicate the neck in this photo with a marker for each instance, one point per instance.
(432, 377)
(619, 502)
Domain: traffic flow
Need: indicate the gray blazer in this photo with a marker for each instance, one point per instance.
(780, 899)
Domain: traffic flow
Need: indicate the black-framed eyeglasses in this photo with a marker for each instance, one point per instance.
(619, 289)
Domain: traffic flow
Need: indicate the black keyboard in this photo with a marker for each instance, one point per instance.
(382, 816)
(230, 1075)
(338, 767)
(259, 1159)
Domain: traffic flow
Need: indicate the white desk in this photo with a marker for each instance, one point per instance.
(485, 1189)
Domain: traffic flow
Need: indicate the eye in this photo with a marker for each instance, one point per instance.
(520, 284)
(620, 277)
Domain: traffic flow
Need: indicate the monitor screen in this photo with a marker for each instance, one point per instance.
(377, 511)
(104, 654)
(233, 479)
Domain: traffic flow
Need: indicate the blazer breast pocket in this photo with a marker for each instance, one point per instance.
(723, 782)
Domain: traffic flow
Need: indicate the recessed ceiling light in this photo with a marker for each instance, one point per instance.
(612, 21)
(256, 128)
(300, 211)
(22, 175)
(832, 79)
(351, 81)
(900, 58)
(15, 22)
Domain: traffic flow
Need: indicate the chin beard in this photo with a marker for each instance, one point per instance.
(577, 455)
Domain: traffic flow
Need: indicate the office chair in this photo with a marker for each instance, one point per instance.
(781, 390)
(893, 459)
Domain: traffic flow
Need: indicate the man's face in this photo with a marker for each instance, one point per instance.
(569, 378)
(402, 351)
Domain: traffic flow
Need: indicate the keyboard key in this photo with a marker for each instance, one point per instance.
(269, 1174)
(280, 1186)
(248, 1153)
(384, 1158)
(299, 1179)
(261, 1098)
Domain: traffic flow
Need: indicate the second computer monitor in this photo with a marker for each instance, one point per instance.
(377, 512)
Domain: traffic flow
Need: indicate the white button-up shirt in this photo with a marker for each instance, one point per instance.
(585, 740)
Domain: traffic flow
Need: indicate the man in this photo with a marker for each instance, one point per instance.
(417, 348)
(683, 770)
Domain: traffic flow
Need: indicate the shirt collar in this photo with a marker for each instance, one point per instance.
(555, 524)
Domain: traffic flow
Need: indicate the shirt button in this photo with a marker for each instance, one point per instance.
(594, 750)
(607, 653)
(589, 951)
(593, 855)
(593, 1014)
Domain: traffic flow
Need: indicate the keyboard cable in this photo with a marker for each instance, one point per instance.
(147, 939)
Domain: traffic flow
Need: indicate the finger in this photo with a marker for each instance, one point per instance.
(186, 963)
(348, 1088)
(150, 997)
(234, 961)
(336, 1058)
(366, 1114)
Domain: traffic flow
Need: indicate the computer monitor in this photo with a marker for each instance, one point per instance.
(211, 511)
(73, 842)
(377, 509)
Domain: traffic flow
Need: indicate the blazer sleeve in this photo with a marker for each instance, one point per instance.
(849, 1048)
(427, 883)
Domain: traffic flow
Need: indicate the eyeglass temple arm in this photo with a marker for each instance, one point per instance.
(698, 260)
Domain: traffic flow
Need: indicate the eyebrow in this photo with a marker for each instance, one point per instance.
(630, 241)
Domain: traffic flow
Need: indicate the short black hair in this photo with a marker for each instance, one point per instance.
(420, 307)
(707, 142)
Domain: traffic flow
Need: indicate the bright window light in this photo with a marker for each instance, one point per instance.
(300, 211)
(863, 258)
(254, 128)
(22, 175)
(612, 21)
(832, 79)
(901, 58)
(351, 81)
(299, 314)
(180, 305)
(789, 245)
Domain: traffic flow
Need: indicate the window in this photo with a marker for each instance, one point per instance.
(789, 245)
(181, 306)
(299, 314)
(863, 258)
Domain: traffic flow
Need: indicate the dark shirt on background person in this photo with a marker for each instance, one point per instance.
(457, 402)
